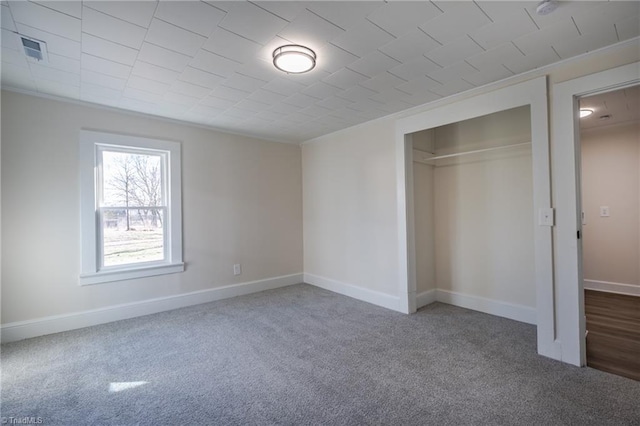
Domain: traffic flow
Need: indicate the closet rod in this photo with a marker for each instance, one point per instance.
(475, 152)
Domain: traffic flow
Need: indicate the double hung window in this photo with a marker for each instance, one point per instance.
(130, 207)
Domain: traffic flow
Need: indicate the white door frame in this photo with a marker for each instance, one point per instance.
(570, 295)
(532, 93)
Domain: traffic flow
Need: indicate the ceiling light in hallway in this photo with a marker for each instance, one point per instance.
(584, 112)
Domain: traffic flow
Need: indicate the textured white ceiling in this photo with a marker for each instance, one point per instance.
(210, 62)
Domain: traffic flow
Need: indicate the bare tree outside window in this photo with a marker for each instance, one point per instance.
(148, 186)
(132, 207)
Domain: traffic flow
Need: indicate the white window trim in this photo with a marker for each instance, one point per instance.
(91, 273)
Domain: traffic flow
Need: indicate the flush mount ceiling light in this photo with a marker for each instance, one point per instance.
(545, 7)
(294, 59)
(584, 112)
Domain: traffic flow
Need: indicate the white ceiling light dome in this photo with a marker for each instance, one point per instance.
(545, 7)
(294, 59)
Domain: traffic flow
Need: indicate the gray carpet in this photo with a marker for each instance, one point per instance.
(301, 355)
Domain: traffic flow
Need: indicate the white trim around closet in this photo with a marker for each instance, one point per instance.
(532, 93)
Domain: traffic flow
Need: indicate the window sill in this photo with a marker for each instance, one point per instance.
(130, 274)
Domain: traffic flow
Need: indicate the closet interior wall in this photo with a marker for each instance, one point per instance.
(474, 219)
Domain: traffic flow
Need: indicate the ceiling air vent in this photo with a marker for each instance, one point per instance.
(36, 50)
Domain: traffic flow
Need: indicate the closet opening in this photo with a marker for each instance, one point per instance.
(609, 199)
(482, 191)
(473, 209)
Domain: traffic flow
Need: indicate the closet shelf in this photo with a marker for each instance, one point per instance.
(423, 157)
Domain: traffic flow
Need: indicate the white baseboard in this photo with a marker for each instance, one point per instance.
(371, 296)
(489, 306)
(58, 323)
(502, 309)
(425, 298)
(628, 289)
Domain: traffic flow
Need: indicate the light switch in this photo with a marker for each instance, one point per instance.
(604, 211)
(545, 217)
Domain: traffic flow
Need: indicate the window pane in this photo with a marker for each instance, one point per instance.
(132, 236)
(131, 180)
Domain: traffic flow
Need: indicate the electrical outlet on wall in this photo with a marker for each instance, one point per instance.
(604, 211)
(237, 269)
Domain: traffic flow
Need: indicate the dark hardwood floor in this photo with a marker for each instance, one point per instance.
(613, 339)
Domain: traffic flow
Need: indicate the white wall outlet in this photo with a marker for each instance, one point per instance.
(604, 211)
(545, 217)
(237, 269)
